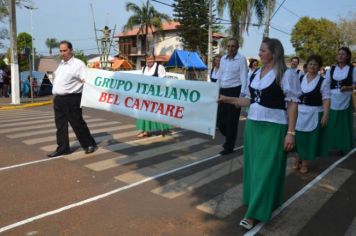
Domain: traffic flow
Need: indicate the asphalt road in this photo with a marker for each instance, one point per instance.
(172, 185)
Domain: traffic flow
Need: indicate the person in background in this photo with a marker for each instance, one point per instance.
(67, 90)
(252, 66)
(151, 68)
(273, 95)
(322, 72)
(215, 69)
(1, 81)
(232, 79)
(313, 115)
(6, 76)
(294, 62)
(339, 132)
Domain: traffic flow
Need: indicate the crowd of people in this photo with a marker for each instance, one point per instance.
(308, 112)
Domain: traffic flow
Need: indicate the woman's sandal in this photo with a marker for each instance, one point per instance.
(142, 135)
(246, 224)
(303, 169)
(296, 164)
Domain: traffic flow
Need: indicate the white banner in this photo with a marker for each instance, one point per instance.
(187, 104)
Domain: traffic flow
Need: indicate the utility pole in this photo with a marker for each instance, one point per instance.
(31, 8)
(210, 35)
(15, 88)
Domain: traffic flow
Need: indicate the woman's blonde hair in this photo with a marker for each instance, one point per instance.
(276, 48)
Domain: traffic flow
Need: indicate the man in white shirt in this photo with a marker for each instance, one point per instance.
(67, 90)
(294, 62)
(232, 79)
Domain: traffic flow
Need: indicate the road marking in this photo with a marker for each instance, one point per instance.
(25, 123)
(310, 203)
(124, 159)
(44, 125)
(224, 204)
(133, 143)
(121, 146)
(44, 117)
(101, 196)
(76, 144)
(259, 226)
(351, 230)
(72, 135)
(140, 174)
(46, 131)
(5, 117)
(194, 181)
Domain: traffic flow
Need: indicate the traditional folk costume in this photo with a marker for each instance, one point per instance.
(146, 125)
(265, 131)
(339, 131)
(310, 111)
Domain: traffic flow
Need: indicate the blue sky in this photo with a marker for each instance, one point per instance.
(72, 20)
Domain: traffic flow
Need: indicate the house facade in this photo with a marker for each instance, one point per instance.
(132, 45)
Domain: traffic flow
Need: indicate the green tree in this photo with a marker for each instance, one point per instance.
(4, 13)
(240, 12)
(145, 17)
(194, 23)
(52, 43)
(347, 31)
(24, 40)
(80, 55)
(316, 36)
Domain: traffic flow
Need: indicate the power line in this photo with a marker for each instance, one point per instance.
(280, 30)
(277, 9)
(163, 3)
(291, 12)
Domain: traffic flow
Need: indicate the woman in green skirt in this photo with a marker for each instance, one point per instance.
(313, 114)
(339, 131)
(145, 126)
(273, 94)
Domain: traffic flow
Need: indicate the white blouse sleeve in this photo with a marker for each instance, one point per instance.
(325, 89)
(161, 71)
(291, 86)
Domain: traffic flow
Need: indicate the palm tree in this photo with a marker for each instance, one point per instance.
(145, 17)
(51, 43)
(240, 12)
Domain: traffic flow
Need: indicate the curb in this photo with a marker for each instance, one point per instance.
(35, 104)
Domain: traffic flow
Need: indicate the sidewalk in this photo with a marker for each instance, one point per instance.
(5, 103)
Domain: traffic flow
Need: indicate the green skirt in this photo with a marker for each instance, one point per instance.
(339, 134)
(146, 125)
(309, 144)
(264, 168)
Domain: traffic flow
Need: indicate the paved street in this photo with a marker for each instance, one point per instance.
(172, 185)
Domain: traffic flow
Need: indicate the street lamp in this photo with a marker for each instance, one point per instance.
(31, 8)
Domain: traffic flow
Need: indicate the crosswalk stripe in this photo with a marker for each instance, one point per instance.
(189, 183)
(310, 202)
(121, 146)
(26, 119)
(44, 125)
(46, 131)
(152, 170)
(25, 123)
(124, 159)
(72, 135)
(224, 204)
(23, 115)
(76, 144)
(351, 230)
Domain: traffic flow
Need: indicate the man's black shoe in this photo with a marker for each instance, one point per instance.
(57, 153)
(90, 149)
(226, 152)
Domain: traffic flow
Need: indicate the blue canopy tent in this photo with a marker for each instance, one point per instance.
(192, 65)
(186, 60)
(44, 85)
